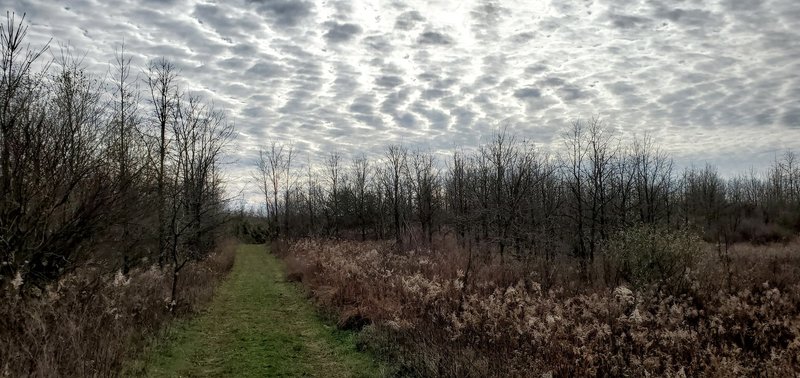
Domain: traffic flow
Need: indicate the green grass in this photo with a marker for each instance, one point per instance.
(258, 325)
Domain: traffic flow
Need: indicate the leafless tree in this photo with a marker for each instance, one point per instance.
(395, 168)
(362, 176)
(273, 174)
(161, 78)
(426, 187)
(588, 175)
(334, 177)
(653, 180)
(124, 139)
(197, 203)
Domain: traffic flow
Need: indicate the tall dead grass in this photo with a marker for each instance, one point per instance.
(440, 313)
(90, 322)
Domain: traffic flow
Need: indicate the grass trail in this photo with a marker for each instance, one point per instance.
(258, 325)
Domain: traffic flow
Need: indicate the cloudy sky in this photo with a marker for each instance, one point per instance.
(715, 81)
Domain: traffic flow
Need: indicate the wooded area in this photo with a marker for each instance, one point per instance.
(92, 170)
(110, 187)
(510, 198)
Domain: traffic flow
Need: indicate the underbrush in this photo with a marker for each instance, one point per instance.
(91, 322)
(441, 312)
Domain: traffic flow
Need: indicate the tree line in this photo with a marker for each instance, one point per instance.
(121, 169)
(511, 199)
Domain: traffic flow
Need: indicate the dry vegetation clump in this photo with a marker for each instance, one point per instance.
(90, 321)
(436, 314)
(647, 255)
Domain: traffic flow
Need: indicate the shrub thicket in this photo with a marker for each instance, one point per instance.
(651, 255)
(91, 322)
(434, 313)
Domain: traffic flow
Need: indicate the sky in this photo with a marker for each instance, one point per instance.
(710, 81)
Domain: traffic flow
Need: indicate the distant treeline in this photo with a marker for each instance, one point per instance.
(510, 198)
(117, 170)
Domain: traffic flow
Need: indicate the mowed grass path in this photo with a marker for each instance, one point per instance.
(258, 325)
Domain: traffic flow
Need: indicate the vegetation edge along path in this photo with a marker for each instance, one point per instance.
(258, 325)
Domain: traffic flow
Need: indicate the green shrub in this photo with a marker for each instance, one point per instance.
(648, 255)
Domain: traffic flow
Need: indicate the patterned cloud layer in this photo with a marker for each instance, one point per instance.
(715, 81)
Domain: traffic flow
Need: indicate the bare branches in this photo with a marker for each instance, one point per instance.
(78, 181)
(273, 175)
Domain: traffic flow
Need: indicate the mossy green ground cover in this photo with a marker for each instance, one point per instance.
(258, 325)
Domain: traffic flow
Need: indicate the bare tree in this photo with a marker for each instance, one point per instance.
(588, 175)
(273, 174)
(125, 107)
(602, 154)
(197, 203)
(161, 80)
(361, 172)
(313, 193)
(20, 87)
(394, 171)
(290, 182)
(334, 178)
(456, 194)
(426, 185)
(574, 166)
(652, 170)
(124, 123)
(261, 175)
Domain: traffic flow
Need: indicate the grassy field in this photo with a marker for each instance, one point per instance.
(258, 325)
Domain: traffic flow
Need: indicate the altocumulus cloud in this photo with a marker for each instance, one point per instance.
(341, 32)
(707, 79)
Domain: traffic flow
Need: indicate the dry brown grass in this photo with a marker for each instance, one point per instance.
(433, 316)
(90, 322)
